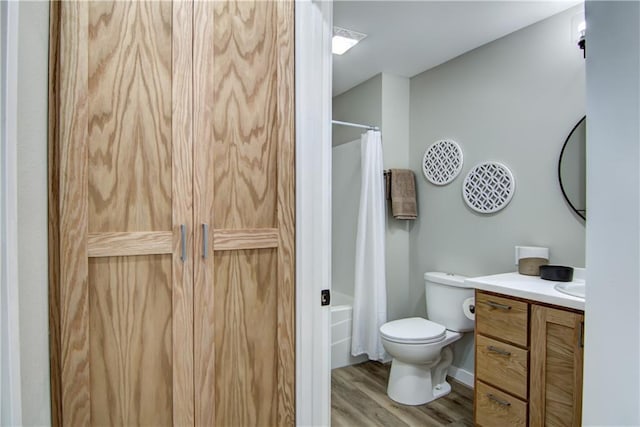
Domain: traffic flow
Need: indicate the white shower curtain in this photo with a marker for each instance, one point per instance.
(370, 293)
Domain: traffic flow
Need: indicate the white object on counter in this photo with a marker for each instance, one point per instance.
(529, 287)
(531, 252)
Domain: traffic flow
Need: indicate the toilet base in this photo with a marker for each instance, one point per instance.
(413, 384)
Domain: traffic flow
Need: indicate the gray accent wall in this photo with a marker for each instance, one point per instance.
(395, 148)
(362, 104)
(359, 105)
(381, 101)
(345, 201)
(514, 101)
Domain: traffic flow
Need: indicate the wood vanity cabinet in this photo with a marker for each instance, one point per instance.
(528, 363)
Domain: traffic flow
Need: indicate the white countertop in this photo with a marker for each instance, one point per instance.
(529, 287)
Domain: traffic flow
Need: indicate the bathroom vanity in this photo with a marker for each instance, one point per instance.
(529, 340)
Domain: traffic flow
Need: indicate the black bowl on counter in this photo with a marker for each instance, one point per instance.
(556, 273)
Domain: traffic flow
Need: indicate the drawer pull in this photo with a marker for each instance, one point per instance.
(498, 350)
(498, 400)
(496, 305)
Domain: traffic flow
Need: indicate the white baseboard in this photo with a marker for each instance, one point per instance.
(460, 375)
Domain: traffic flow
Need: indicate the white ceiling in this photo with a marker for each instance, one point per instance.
(405, 38)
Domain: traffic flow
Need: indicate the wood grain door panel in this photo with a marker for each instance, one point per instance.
(246, 323)
(131, 340)
(244, 122)
(129, 101)
(556, 367)
(121, 154)
(244, 191)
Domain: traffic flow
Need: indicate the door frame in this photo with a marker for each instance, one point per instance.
(10, 377)
(313, 32)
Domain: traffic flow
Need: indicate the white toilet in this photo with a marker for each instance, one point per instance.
(419, 347)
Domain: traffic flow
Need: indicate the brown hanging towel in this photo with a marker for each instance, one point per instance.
(403, 194)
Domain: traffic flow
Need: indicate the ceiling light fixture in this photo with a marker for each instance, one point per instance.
(344, 39)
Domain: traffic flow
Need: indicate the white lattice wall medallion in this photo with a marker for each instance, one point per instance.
(442, 162)
(488, 187)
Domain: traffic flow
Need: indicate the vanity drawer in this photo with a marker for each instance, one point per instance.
(503, 365)
(495, 408)
(502, 317)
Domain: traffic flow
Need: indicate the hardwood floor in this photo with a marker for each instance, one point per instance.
(359, 398)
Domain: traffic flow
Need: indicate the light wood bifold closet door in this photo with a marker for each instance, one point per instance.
(172, 213)
(244, 191)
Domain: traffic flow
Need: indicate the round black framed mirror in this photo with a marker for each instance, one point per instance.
(572, 169)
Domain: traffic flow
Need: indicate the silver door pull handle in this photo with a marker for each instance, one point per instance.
(498, 350)
(183, 242)
(496, 305)
(205, 240)
(498, 400)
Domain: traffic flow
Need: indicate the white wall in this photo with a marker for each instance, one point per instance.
(10, 381)
(381, 101)
(33, 40)
(313, 24)
(515, 101)
(612, 328)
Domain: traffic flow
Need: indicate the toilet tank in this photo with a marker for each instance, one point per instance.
(445, 295)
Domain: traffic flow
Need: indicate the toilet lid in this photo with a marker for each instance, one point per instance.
(414, 330)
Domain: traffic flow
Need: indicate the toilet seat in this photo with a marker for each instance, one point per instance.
(413, 330)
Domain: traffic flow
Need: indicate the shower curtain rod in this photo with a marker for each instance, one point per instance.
(355, 125)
